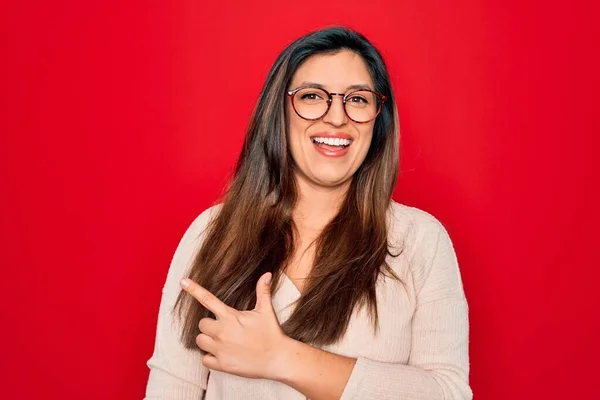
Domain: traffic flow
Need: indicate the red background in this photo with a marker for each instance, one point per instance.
(120, 122)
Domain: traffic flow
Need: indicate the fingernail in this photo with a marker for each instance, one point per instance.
(268, 280)
(184, 283)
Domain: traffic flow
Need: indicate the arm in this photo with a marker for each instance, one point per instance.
(317, 374)
(438, 367)
(176, 373)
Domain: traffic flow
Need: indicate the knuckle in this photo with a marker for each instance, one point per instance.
(205, 359)
(202, 324)
(206, 298)
(241, 319)
(220, 336)
(234, 315)
(229, 365)
(244, 319)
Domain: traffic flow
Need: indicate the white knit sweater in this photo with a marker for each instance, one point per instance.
(420, 351)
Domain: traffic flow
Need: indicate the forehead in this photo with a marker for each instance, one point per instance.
(334, 71)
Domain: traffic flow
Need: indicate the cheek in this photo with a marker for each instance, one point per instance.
(295, 127)
(367, 134)
(294, 133)
(291, 123)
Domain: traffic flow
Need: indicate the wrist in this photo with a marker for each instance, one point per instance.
(281, 366)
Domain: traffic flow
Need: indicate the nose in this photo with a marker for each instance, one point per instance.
(336, 115)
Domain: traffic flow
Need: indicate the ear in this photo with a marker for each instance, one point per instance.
(263, 293)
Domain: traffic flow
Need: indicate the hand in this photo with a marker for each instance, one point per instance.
(244, 343)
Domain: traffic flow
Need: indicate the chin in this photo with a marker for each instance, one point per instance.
(332, 180)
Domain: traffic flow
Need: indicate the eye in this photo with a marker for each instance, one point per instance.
(311, 96)
(357, 99)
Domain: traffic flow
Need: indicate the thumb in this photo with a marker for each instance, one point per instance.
(263, 293)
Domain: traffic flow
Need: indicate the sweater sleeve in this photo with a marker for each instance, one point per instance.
(177, 373)
(438, 367)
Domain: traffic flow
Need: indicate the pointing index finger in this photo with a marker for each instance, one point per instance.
(206, 298)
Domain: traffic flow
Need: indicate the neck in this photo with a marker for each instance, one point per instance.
(317, 205)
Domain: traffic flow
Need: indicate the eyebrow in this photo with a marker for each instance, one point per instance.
(351, 87)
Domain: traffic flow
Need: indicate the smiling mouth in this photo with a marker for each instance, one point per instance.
(333, 143)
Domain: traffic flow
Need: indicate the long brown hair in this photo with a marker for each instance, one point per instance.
(253, 232)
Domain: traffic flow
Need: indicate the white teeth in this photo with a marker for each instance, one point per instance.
(332, 141)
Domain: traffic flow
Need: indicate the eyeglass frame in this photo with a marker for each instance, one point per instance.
(382, 99)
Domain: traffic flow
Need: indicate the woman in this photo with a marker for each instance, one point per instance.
(308, 281)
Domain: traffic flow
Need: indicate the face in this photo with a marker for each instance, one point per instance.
(319, 163)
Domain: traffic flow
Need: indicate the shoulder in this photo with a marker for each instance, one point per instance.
(429, 251)
(412, 226)
(193, 236)
(201, 222)
(188, 246)
(423, 241)
(403, 212)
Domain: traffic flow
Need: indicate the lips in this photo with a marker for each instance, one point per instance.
(332, 134)
(332, 144)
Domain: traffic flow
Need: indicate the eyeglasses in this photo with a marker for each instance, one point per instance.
(312, 103)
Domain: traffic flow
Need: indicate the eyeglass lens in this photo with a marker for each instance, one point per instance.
(312, 103)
